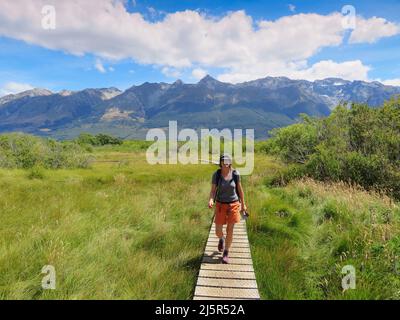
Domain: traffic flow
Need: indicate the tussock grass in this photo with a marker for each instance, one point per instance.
(303, 234)
(126, 230)
(111, 232)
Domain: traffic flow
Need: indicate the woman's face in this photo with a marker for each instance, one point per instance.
(225, 164)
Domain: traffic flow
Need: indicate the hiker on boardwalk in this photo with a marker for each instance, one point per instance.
(227, 192)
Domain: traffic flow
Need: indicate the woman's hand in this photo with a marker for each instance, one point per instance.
(210, 203)
(243, 208)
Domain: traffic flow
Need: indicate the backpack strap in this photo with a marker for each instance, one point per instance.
(218, 176)
(235, 177)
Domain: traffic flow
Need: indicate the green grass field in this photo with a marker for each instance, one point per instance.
(128, 230)
(116, 231)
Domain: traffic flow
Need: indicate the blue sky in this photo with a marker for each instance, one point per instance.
(117, 47)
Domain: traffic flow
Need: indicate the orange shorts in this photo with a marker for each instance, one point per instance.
(227, 212)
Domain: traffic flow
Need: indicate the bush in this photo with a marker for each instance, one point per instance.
(294, 143)
(26, 151)
(36, 173)
(98, 140)
(360, 145)
(284, 176)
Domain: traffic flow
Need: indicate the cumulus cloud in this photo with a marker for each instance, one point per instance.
(391, 82)
(349, 70)
(199, 73)
(292, 7)
(171, 72)
(373, 29)
(13, 88)
(99, 66)
(246, 49)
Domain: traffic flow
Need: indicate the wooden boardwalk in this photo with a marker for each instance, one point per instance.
(236, 280)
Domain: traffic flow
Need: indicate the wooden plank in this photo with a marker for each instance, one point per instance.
(213, 249)
(227, 274)
(235, 280)
(232, 254)
(227, 267)
(226, 292)
(232, 260)
(227, 283)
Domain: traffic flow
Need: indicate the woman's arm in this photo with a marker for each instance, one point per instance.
(241, 196)
(212, 195)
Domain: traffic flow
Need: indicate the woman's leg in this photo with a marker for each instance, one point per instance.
(218, 231)
(229, 235)
(219, 220)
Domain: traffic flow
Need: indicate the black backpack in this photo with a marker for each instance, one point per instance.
(234, 178)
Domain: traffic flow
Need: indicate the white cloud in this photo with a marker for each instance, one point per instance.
(371, 30)
(292, 7)
(13, 88)
(391, 82)
(199, 73)
(244, 48)
(99, 66)
(111, 69)
(348, 70)
(171, 72)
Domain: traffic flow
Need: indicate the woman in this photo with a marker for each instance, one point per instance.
(227, 191)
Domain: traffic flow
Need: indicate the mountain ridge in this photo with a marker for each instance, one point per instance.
(261, 104)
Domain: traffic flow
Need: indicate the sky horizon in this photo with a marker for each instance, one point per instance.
(120, 43)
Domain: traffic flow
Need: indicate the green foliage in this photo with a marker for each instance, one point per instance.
(104, 139)
(98, 140)
(36, 173)
(26, 151)
(286, 174)
(295, 143)
(359, 145)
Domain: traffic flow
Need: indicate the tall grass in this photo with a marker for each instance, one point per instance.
(302, 236)
(112, 232)
(124, 229)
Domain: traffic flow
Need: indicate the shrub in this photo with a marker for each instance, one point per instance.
(26, 151)
(294, 143)
(98, 140)
(284, 176)
(359, 145)
(36, 173)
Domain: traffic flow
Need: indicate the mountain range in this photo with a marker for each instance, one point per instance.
(261, 104)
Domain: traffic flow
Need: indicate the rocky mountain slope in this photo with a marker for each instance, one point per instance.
(260, 104)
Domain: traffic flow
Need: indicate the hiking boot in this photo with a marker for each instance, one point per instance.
(221, 244)
(225, 258)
